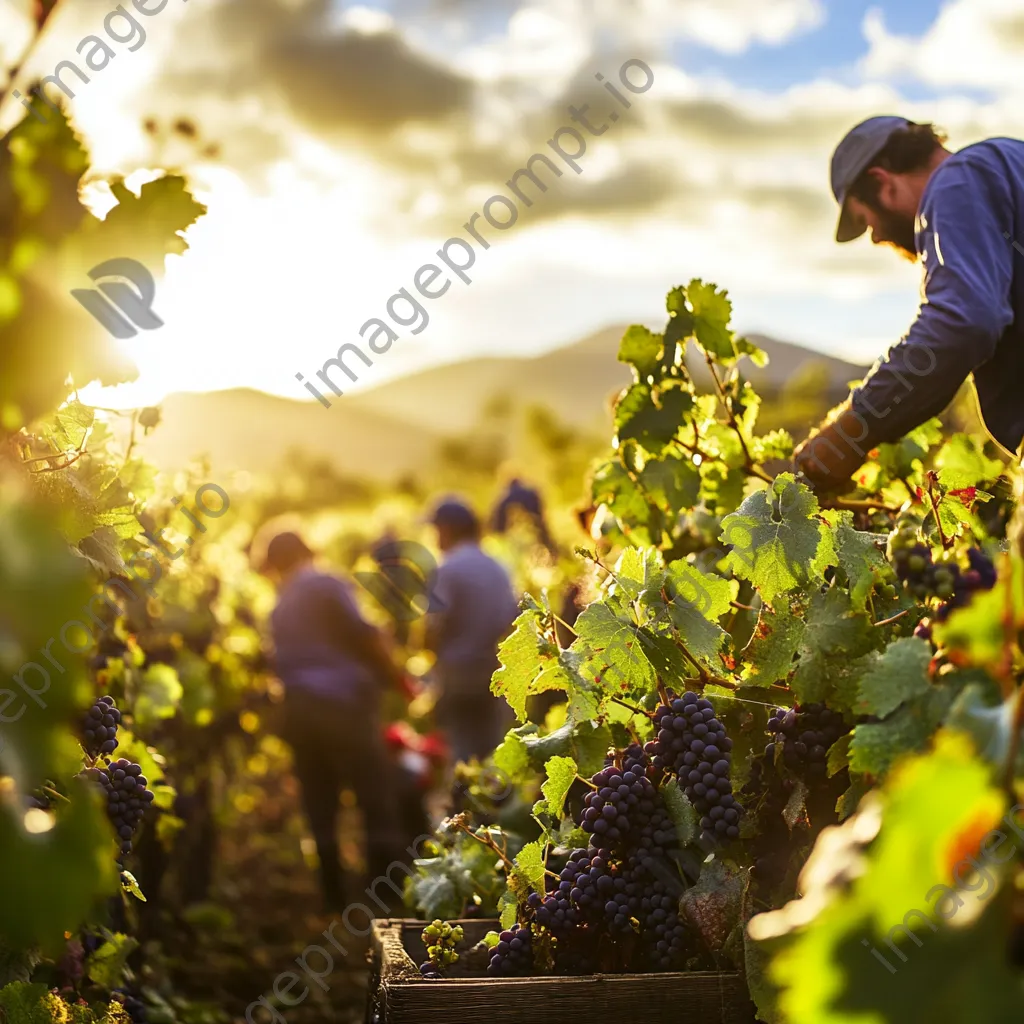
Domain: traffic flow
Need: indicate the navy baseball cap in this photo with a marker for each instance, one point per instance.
(285, 551)
(455, 514)
(849, 161)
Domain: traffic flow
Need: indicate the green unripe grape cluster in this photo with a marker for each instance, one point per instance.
(441, 938)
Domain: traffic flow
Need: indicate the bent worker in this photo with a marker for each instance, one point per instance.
(961, 215)
(518, 497)
(333, 665)
(472, 608)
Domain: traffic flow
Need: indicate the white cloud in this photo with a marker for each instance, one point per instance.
(973, 43)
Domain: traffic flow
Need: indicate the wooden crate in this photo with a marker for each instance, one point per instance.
(399, 995)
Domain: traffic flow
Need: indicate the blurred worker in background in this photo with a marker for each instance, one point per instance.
(526, 501)
(333, 665)
(472, 608)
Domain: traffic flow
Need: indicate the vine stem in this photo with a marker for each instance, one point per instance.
(631, 707)
(701, 670)
(893, 618)
(586, 782)
(459, 822)
(947, 542)
(857, 505)
(558, 618)
(14, 72)
(734, 423)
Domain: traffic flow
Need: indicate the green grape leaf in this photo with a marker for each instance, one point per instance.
(746, 407)
(712, 311)
(617, 640)
(903, 458)
(980, 714)
(776, 444)
(528, 870)
(672, 482)
(578, 739)
(835, 637)
(745, 347)
(858, 555)
(62, 874)
(159, 694)
(433, 890)
(664, 655)
(642, 349)
(683, 814)
(651, 418)
(877, 746)
(941, 956)
(511, 756)
(130, 884)
(712, 906)
(121, 520)
(778, 637)
(613, 487)
(962, 463)
(70, 426)
(508, 909)
(898, 674)
(523, 655)
(839, 755)
(697, 601)
(778, 542)
(106, 965)
(589, 743)
(850, 800)
(636, 571)
(560, 774)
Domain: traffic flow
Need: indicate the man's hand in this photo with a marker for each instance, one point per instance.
(830, 456)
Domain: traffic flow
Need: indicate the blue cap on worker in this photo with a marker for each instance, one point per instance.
(851, 158)
(455, 514)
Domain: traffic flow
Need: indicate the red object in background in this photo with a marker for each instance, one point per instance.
(422, 756)
(410, 687)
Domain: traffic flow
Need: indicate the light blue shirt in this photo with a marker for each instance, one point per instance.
(472, 607)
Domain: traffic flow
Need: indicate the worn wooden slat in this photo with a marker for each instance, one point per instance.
(399, 995)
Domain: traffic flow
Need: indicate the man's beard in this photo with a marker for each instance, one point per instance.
(897, 231)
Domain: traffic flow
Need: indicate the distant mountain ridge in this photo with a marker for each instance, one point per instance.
(396, 426)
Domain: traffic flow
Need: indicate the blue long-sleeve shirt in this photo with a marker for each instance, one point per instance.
(971, 318)
(320, 640)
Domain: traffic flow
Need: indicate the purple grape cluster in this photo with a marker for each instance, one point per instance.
(99, 728)
(617, 901)
(805, 733)
(512, 957)
(622, 802)
(691, 743)
(556, 911)
(646, 899)
(124, 787)
(980, 576)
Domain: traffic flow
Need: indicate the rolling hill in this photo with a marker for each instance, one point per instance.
(396, 426)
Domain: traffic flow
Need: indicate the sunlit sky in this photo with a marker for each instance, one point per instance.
(356, 139)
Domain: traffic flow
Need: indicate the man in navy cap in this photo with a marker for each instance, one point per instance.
(472, 608)
(960, 215)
